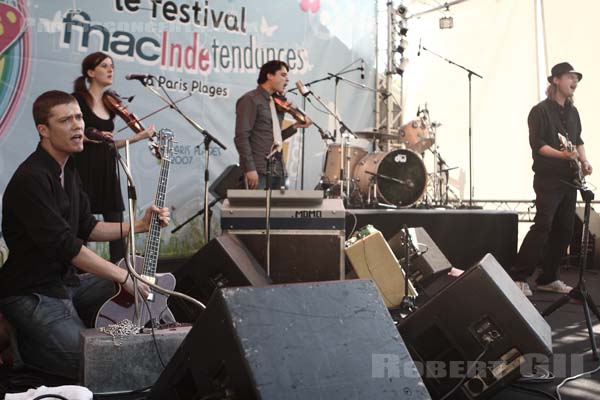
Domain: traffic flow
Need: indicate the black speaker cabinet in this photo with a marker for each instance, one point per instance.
(320, 340)
(299, 256)
(481, 314)
(431, 262)
(223, 262)
(230, 178)
(593, 256)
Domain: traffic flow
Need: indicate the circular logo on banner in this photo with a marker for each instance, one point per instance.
(14, 58)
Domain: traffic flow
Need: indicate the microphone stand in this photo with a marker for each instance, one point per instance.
(580, 291)
(343, 129)
(326, 136)
(200, 212)
(268, 192)
(208, 138)
(408, 302)
(470, 73)
(130, 254)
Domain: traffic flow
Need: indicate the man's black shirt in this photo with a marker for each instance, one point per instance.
(44, 226)
(546, 120)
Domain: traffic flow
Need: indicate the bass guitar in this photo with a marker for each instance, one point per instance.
(122, 305)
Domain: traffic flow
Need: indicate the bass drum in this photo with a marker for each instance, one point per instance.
(401, 177)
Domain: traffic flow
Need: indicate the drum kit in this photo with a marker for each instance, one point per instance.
(394, 173)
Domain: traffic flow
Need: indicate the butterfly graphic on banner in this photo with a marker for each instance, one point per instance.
(310, 5)
(265, 29)
(12, 26)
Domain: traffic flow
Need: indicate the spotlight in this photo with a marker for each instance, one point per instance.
(402, 28)
(401, 67)
(447, 22)
(402, 46)
(401, 10)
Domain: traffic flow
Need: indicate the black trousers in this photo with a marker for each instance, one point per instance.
(116, 247)
(546, 242)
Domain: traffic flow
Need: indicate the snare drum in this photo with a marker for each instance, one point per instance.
(399, 176)
(331, 169)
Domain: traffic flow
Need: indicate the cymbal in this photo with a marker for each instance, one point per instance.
(377, 135)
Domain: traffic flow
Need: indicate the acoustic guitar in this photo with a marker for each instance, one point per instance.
(122, 305)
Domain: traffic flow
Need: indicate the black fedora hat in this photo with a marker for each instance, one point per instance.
(563, 68)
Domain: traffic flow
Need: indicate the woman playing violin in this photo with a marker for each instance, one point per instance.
(96, 164)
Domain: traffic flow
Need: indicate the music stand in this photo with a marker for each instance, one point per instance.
(580, 292)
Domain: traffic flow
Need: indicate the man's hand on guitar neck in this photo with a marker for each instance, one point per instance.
(570, 155)
(164, 217)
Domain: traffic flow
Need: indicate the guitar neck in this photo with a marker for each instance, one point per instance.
(153, 239)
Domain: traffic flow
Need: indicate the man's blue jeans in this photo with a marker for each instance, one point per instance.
(48, 329)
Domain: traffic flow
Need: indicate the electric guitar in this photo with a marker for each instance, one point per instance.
(122, 305)
(575, 164)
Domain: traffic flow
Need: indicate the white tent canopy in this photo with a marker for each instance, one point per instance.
(499, 40)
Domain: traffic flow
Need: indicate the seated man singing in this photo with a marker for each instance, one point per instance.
(46, 220)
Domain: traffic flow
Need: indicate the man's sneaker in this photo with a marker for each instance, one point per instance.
(524, 287)
(556, 287)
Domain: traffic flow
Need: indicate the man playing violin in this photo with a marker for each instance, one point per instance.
(258, 127)
(96, 164)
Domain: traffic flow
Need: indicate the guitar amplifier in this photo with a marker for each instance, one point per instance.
(372, 258)
(307, 241)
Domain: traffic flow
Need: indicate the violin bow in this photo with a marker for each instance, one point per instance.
(153, 112)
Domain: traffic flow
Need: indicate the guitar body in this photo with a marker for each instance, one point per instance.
(578, 175)
(122, 305)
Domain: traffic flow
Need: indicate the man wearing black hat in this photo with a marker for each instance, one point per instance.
(546, 242)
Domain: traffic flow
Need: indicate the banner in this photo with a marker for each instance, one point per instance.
(208, 50)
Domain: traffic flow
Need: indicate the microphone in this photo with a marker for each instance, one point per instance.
(362, 69)
(139, 77)
(302, 89)
(419, 52)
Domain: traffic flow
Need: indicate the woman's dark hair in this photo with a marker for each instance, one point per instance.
(90, 62)
(270, 67)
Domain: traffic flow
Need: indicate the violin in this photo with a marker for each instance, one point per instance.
(112, 101)
(286, 106)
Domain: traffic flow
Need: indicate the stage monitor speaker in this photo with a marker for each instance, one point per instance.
(481, 314)
(223, 262)
(429, 265)
(593, 258)
(325, 340)
(230, 178)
